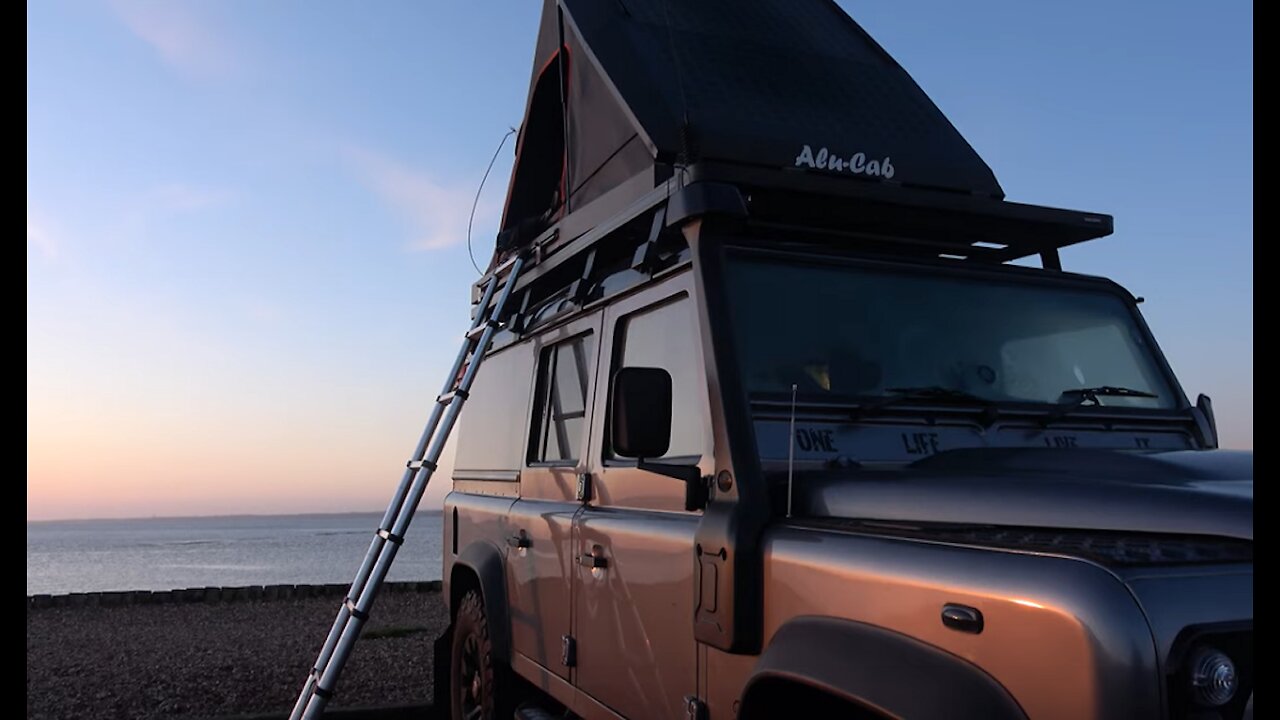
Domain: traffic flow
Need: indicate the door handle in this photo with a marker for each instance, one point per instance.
(962, 618)
(520, 541)
(593, 561)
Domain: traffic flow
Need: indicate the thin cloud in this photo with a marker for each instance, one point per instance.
(183, 39)
(42, 237)
(436, 212)
(180, 197)
(130, 218)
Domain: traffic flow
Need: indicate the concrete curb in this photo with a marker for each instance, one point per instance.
(251, 593)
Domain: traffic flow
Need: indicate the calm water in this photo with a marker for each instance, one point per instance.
(168, 553)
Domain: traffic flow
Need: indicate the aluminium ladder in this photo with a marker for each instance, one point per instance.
(390, 534)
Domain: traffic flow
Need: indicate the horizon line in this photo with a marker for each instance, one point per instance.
(226, 515)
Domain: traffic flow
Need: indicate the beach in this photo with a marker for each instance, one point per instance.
(220, 654)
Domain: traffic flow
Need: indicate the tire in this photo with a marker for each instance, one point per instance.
(473, 673)
(535, 712)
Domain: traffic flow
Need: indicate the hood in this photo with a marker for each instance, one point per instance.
(1184, 492)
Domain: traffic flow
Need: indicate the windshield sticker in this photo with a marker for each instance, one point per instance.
(920, 443)
(856, 164)
(828, 442)
(811, 440)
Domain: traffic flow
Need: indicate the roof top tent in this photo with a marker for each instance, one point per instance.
(783, 113)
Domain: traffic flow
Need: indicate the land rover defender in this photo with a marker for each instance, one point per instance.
(791, 413)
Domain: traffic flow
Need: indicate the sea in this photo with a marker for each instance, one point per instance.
(65, 556)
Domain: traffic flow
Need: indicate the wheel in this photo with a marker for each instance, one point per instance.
(473, 690)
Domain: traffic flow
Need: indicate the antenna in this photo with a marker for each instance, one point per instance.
(791, 448)
(684, 101)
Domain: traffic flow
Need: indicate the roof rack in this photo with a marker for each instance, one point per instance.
(897, 219)
(837, 213)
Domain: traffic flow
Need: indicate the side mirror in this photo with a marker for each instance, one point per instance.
(1205, 422)
(641, 420)
(640, 426)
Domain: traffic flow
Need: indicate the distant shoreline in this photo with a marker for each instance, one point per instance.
(214, 594)
(231, 516)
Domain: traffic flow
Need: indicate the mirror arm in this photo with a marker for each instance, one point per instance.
(695, 491)
(688, 473)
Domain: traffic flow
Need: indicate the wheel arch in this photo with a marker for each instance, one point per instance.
(777, 696)
(480, 567)
(870, 668)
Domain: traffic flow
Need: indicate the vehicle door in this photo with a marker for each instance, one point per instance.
(633, 602)
(540, 555)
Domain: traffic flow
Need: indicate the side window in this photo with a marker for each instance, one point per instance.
(665, 337)
(560, 411)
(492, 426)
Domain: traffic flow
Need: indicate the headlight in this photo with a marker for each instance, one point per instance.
(1214, 680)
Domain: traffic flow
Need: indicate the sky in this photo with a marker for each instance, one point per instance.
(247, 268)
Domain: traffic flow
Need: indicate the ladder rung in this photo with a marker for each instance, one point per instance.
(390, 536)
(448, 397)
(478, 330)
(570, 415)
(356, 612)
(419, 464)
(315, 684)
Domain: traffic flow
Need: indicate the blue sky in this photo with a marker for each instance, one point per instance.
(245, 221)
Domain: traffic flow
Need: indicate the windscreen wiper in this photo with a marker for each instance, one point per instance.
(929, 392)
(1077, 397)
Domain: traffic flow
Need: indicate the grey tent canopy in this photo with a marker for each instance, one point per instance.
(625, 92)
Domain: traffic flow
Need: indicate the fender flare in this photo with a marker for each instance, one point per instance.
(875, 668)
(486, 561)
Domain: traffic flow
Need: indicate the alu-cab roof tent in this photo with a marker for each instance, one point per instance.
(788, 101)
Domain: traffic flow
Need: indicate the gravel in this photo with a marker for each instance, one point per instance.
(201, 660)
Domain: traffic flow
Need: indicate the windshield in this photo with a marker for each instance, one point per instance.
(846, 331)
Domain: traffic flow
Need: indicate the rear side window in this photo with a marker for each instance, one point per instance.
(493, 423)
(665, 337)
(560, 411)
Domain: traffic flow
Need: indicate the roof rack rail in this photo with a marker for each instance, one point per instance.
(835, 213)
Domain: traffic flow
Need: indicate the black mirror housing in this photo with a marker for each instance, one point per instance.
(640, 419)
(1206, 424)
(640, 427)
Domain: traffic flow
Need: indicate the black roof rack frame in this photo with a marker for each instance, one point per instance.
(836, 212)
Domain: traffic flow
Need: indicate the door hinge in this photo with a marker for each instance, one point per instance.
(584, 487)
(568, 651)
(694, 709)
